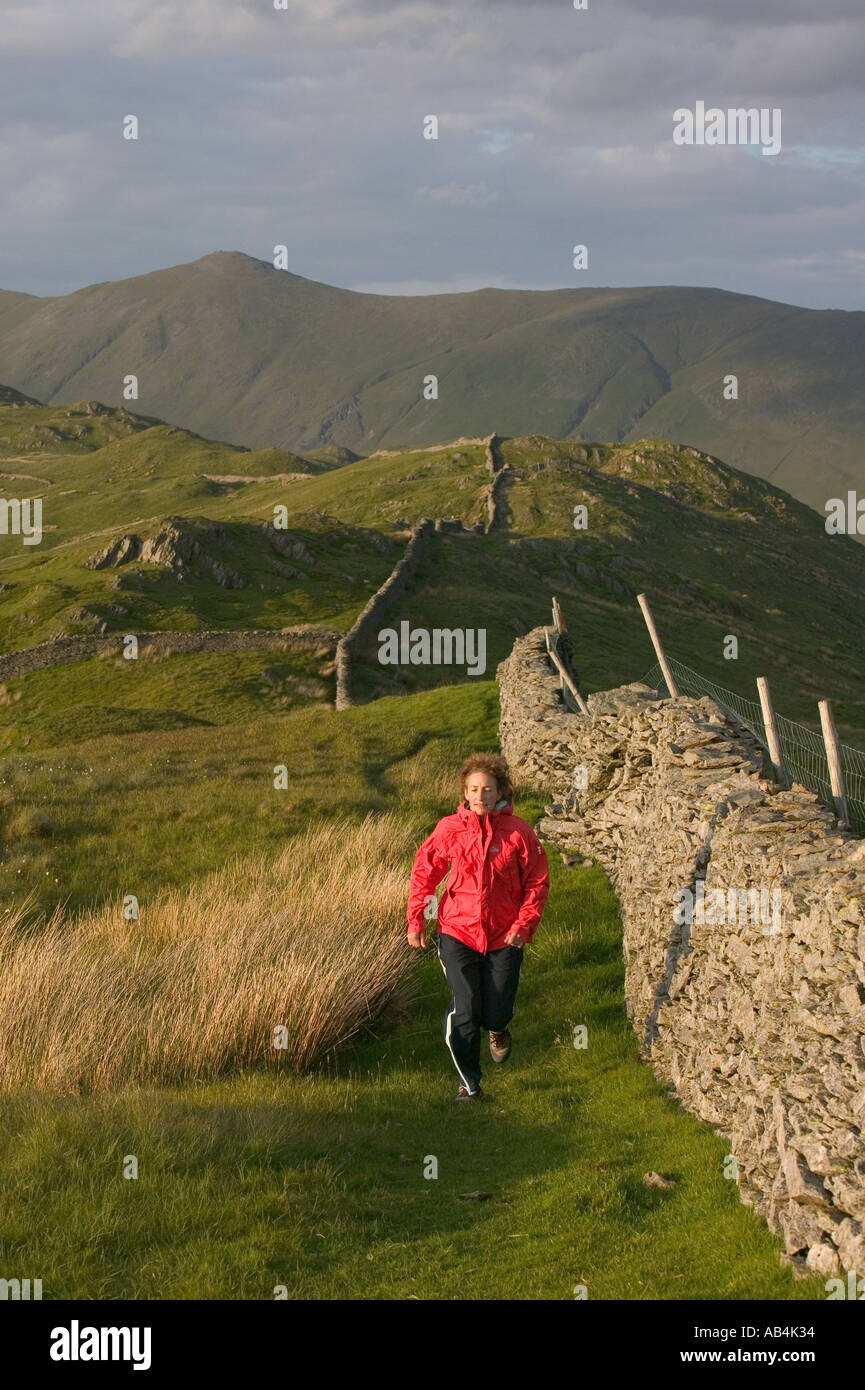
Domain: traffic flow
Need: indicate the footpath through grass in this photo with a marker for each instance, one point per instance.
(317, 1184)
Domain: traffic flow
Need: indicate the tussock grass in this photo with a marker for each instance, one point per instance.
(312, 942)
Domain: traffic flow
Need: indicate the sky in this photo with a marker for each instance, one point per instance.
(304, 126)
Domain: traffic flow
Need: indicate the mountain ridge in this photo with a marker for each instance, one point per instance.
(240, 257)
(233, 349)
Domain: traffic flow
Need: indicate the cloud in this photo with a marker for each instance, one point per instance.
(459, 195)
(304, 126)
(155, 29)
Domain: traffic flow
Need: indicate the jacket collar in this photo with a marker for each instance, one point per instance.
(467, 816)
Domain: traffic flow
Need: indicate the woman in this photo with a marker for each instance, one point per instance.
(490, 909)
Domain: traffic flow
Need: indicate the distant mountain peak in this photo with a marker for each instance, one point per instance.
(238, 262)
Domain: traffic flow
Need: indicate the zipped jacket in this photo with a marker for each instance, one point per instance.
(499, 877)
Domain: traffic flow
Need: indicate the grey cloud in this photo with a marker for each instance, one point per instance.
(749, 13)
(555, 127)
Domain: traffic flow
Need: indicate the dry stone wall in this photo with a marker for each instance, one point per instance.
(743, 914)
(60, 650)
(396, 583)
(494, 492)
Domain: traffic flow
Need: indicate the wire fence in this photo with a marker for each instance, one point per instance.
(803, 749)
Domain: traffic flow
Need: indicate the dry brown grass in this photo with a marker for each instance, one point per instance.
(424, 775)
(314, 941)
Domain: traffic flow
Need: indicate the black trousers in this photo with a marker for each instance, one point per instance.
(483, 990)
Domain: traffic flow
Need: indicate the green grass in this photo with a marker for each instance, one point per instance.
(318, 1183)
(504, 587)
(62, 705)
(719, 552)
(56, 593)
(135, 812)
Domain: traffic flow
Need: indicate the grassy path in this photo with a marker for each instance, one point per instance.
(318, 1184)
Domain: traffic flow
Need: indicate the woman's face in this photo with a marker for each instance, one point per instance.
(481, 792)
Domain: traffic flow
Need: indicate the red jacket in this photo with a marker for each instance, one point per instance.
(499, 877)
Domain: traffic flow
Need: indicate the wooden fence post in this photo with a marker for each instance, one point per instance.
(565, 677)
(566, 680)
(548, 632)
(833, 757)
(770, 724)
(656, 643)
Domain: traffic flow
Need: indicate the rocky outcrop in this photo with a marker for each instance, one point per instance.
(292, 546)
(743, 919)
(189, 549)
(98, 617)
(454, 527)
(192, 548)
(118, 552)
(367, 621)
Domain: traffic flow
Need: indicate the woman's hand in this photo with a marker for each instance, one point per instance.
(514, 938)
(416, 938)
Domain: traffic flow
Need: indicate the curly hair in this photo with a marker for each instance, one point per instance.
(492, 763)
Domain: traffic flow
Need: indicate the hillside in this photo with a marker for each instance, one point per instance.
(149, 528)
(231, 348)
(719, 552)
(147, 776)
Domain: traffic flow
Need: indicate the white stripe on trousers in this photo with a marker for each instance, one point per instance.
(453, 1055)
(450, 1016)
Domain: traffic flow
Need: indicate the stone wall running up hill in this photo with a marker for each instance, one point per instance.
(752, 1011)
(494, 492)
(396, 583)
